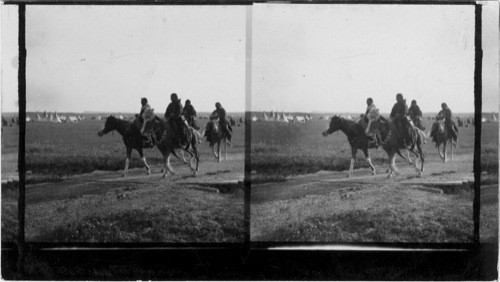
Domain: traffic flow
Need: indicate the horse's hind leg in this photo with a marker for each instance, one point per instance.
(219, 151)
(392, 165)
(183, 158)
(408, 156)
(451, 149)
(143, 159)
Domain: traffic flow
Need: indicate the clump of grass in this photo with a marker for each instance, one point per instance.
(489, 158)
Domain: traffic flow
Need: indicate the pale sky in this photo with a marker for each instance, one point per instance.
(105, 58)
(331, 58)
(304, 58)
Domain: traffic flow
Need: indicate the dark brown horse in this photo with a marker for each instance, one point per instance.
(131, 135)
(391, 140)
(356, 137)
(217, 137)
(162, 135)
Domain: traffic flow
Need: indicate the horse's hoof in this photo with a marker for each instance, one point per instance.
(374, 173)
(420, 173)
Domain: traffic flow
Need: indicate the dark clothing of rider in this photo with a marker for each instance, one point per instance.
(173, 117)
(398, 116)
(414, 111)
(190, 114)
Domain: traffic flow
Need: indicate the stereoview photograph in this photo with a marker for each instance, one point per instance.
(135, 124)
(363, 124)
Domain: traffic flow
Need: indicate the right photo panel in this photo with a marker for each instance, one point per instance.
(363, 123)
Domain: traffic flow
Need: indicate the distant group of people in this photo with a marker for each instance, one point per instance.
(401, 115)
(179, 117)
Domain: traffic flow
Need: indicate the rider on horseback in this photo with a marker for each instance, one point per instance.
(370, 107)
(174, 119)
(446, 114)
(148, 142)
(399, 117)
(189, 114)
(415, 114)
(220, 113)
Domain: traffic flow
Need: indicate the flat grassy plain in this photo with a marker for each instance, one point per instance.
(284, 149)
(371, 212)
(54, 151)
(158, 210)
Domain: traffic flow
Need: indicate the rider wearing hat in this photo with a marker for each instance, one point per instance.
(398, 116)
(220, 113)
(190, 114)
(173, 117)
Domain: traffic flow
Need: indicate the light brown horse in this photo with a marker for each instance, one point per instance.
(442, 136)
(391, 140)
(217, 138)
(164, 140)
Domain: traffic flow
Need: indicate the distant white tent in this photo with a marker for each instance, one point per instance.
(484, 119)
(266, 118)
(120, 117)
(254, 118)
(98, 117)
(72, 119)
(284, 117)
(62, 118)
(28, 119)
(39, 118)
(327, 117)
(495, 119)
(300, 119)
(56, 119)
(51, 116)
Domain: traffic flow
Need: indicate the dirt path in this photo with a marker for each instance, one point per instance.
(454, 173)
(98, 182)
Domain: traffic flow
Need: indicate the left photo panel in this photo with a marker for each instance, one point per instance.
(135, 124)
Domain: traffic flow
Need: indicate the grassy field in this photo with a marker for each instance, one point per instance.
(281, 149)
(374, 212)
(157, 211)
(366, 213)
(54, 151)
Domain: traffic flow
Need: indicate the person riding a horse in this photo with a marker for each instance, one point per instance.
(148, 142)
(189, 114)
(369, 108)
(174, 118)
(398, 115)
(220, 113)
(416, 115)
(445, 114)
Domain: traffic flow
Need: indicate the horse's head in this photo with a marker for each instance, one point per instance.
(373, 117)
(335, 124)
(109, 125)
(440, 125)
(148, 118)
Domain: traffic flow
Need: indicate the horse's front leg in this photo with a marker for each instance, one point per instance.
(351, 166)
(392, 165)
(408, 156)
(143, 159)
(219, 152)
(225, 150)
(451, 149)
(127, 160)
(183, 158)
(444, 151)
(440, 153)
(369, 160)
